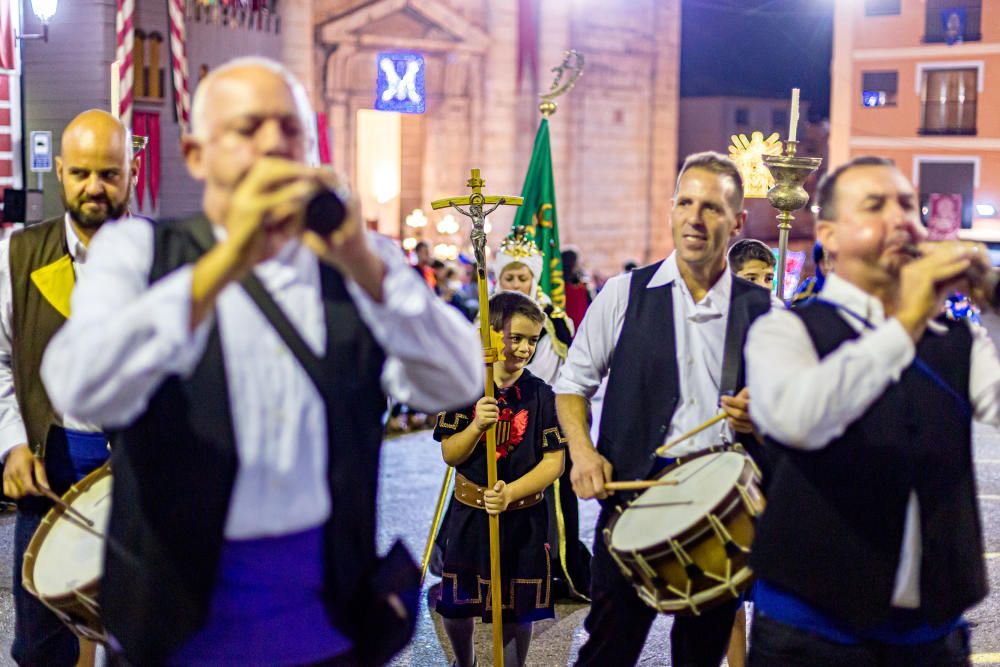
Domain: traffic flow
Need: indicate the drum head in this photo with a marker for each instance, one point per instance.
(664, 512)
(70, 557)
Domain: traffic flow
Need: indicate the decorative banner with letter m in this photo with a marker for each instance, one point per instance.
(400, 83)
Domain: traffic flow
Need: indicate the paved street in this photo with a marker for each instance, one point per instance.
(412, 472)
(412, 478)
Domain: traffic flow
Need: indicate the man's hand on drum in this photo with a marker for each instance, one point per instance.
(497, 499)
(737, 409)
(23, 474)
(590, 472)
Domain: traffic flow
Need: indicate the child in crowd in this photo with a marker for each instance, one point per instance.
(753, 260)
(530, 451)
(518, 267)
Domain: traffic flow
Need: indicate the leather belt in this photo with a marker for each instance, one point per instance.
(471, 494)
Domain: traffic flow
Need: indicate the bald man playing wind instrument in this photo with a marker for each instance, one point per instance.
(42, 447)
(246, 361)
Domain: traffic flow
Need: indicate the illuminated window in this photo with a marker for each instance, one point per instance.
(878, 89)
(948, 98)
(882, 7)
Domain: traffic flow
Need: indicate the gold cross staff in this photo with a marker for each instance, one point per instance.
(476, 203)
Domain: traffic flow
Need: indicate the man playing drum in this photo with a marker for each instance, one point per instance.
(671, 335)
(246, 361)
(43, 447)
(870, 549)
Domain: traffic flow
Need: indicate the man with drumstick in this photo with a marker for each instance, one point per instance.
(870, 548)
(246, 361)
(671, 335)
(42, 448)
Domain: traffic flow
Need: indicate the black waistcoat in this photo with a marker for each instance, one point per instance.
(833, 527)
(643, 386)
(175, 466)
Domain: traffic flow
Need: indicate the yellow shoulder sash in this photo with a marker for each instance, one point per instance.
(55, 281)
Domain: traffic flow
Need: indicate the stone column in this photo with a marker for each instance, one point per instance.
(499, 118)
(297, 44)
(842, 93)
(666, 111)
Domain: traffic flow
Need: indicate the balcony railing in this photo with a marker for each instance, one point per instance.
(934, 27)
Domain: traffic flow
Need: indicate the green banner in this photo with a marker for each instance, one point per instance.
(538, 216)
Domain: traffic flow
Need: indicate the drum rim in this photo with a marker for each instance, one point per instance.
(729, 503)
(704, 599)
(34, 545)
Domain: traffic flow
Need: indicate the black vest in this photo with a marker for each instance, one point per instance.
(175, 466)
(833, 527)
(643, 386)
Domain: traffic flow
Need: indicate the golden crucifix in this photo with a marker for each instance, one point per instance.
(477, 211)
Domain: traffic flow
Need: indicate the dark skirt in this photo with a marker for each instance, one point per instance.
(525, 575)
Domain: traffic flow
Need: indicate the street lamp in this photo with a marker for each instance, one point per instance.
(44, 10)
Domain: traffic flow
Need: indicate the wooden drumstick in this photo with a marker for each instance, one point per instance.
(638, 485)
(48, 493)
(693, 432)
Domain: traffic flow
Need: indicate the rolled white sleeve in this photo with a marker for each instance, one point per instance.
(12, 431)
(123, 337)
(589, 357)
(804, 402)
(434, 358)
(984, 378)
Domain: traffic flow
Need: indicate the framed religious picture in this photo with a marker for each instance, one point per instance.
(944, 216)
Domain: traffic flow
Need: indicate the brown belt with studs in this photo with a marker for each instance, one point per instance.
(471, 494)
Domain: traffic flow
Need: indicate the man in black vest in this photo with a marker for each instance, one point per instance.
(671, 335)
(245, 363)
(42, 448)
(870, 548)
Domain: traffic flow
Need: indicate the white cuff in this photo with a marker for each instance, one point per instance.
(11, 436)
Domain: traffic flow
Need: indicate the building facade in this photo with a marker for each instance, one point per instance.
(614, 137)
(707, 123)
(916, 81)
(71, 72)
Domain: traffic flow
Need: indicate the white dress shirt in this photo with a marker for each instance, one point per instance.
(126, 337)
(699, 333)
(12, 431)
(804, 402)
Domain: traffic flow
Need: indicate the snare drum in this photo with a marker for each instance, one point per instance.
(686, 547)
(65, 558)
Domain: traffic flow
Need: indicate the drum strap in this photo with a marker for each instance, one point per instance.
(732, 354)
(201, 233)
(918, 363)
(310, 363)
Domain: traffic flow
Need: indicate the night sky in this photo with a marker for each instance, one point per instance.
(760, 48)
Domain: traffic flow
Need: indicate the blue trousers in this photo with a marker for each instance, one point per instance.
(775, 643)
(41, 639)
